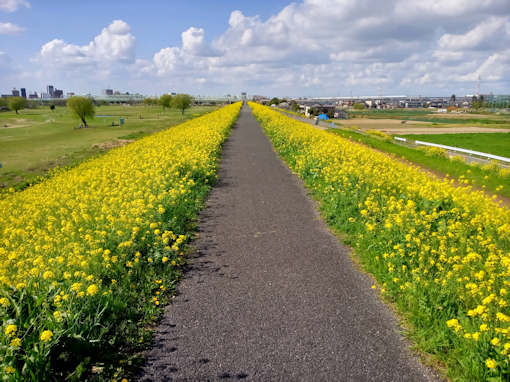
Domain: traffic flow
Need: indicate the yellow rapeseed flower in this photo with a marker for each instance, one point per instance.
(57, 316)
(433, 237)
(10, 330)
(16, 342)
(84, 224)
(46, 336)
(92, 289)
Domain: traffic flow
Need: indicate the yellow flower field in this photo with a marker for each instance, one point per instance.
(440, 252)
(83, 253)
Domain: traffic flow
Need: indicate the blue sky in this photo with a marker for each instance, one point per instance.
(155, 24)
(309, 47)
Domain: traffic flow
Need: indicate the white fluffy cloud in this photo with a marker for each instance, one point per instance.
(320, 47)
(114, 44)
(13, 5)
(335, 45)
(482, 36)
(108, 59)
(9, 28)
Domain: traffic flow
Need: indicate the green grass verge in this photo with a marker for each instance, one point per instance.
(492, 143)
(38, 140)
(491, 180)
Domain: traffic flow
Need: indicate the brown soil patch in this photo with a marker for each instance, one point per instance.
(396, 126)
(112, 144)
(18, 122)
(363, 122)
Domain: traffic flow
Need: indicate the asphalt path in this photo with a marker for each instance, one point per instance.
(271, 294)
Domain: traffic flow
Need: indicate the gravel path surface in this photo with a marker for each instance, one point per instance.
(271, 295)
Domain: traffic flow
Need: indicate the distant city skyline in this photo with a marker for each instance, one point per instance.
(24, 92)
(306, 48)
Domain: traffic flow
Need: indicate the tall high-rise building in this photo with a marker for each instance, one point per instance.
(23, 92)
(15, 92)
(49, 90)
(57, 93)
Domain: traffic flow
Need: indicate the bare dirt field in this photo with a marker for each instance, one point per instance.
(396, 126)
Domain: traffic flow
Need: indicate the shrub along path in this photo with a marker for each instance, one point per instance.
(271, 294)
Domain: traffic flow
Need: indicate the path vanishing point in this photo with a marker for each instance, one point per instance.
(271, 294)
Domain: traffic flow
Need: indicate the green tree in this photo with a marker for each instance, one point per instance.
(149, 101)
(358, 106)
(165, 100)
(477, 102)
(453, 98)
(17, 103)
(182, 102)
(294, 106)
(274, 101)
(81, 108)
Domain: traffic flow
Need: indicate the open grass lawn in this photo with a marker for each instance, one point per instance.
(493, 143)
(37, 140)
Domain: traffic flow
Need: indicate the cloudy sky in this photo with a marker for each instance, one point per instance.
(302, 48)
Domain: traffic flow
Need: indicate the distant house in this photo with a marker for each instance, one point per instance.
(317, 109)
(284, 105)
(411, 103)
(340, 114)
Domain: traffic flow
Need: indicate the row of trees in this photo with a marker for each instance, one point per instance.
(80, 107)
(14, 103)
(180, 101)
(293, 104)
(83, 107)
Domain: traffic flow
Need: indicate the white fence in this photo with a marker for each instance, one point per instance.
(458, 149)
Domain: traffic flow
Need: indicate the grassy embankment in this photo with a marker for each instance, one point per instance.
(37, 140)
(439, 252)
(492, 143)
(490, 179)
